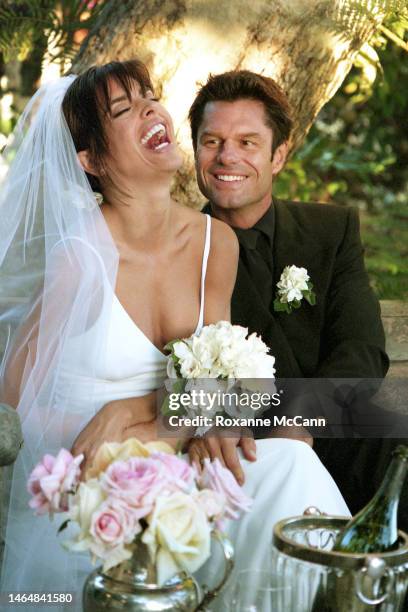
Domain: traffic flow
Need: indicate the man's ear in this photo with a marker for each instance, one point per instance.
(84, 159)
(279, 157)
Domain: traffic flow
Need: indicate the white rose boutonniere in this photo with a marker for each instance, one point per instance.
(294, 285)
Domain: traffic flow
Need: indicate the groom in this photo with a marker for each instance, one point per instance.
(241, 125)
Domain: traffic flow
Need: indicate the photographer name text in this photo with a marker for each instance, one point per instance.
(226, 421)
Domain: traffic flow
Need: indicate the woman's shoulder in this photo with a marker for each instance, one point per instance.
(219, 229)
(224, 242)
(223, 254)
(223, 238)
(223, 257)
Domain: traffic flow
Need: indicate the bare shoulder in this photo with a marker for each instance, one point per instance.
(223, 258)
(224, 243)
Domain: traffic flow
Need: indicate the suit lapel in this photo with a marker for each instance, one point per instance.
(293, 246)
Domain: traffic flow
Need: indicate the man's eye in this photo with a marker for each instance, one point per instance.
(119, 113)
(211, 141)
(247, 143)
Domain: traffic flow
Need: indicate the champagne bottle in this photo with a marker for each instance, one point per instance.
(374, 529)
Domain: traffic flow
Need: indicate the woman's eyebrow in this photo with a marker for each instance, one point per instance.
(118, 99)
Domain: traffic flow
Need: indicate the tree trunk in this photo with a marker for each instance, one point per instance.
(308, 47)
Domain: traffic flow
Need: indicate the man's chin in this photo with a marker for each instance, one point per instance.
(230, 206)
(226, 203)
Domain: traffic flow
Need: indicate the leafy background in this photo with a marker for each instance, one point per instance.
(355, 154)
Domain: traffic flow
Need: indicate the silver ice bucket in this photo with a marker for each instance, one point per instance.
(327, 581)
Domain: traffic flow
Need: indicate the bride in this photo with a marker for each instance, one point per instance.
(101, 284)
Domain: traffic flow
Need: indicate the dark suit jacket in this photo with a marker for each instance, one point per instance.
(341, 336)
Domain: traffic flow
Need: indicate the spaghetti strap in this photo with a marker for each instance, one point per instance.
(203, 273)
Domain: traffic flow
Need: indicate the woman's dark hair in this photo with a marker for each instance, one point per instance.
(243, 84)
(87, 100)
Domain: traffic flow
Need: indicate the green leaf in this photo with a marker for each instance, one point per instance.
(63, 526)
(169, 345)
(279, 306)
(179, 385)
(166, 411)
(165, 407)
(310, 297)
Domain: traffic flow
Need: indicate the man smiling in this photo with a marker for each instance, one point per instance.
(241, 125)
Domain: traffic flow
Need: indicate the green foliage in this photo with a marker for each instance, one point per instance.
(356, 153)
(386, 250)
(24, 22)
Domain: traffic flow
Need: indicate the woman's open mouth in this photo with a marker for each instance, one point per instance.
(156, 138)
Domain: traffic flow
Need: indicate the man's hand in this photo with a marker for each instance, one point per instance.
(149, 432)
(115, 422)
(224, 447)
(106, 426)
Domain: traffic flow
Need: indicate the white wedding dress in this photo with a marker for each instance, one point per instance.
(286, 478)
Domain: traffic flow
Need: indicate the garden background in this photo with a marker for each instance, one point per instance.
(356, 151)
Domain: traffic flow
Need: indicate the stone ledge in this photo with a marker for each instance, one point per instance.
(11, 436)
(394, 315)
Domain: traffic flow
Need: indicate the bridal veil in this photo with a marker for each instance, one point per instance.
(58, 264)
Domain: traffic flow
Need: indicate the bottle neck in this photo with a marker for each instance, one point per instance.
(394, 478)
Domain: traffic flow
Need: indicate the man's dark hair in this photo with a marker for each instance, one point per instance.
(243, 84)
(87, 101)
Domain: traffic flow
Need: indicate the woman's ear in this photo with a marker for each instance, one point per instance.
(84, 159)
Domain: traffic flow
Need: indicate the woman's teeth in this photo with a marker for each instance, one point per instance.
(157, 130)
(161, 145)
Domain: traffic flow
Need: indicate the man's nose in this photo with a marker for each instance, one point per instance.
(228, 154)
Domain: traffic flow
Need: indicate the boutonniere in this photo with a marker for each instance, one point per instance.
(294, 285)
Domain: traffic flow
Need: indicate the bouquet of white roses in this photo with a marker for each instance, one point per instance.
(222, 357)
(141, 491)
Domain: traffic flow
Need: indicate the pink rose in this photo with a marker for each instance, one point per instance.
(212, 503)
(114, 523)
(178, 472)
(51, 480)
(218, 478)
(138, 481)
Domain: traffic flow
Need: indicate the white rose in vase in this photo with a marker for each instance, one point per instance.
(178, 535)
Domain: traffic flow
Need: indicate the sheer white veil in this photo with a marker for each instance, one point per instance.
(58, 267)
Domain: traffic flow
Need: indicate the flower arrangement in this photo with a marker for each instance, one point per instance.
(220, 350)
(294, 285)
(141, 491)
(219, 363)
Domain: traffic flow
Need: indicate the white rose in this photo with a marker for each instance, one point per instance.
(221, 333)
(292, 283)
(229, 358)
(189, 365)
(205, 352)
(212, 502)
(171, 373)
(87, 500)
(182, 350)
(178, 535)
(239, 333)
